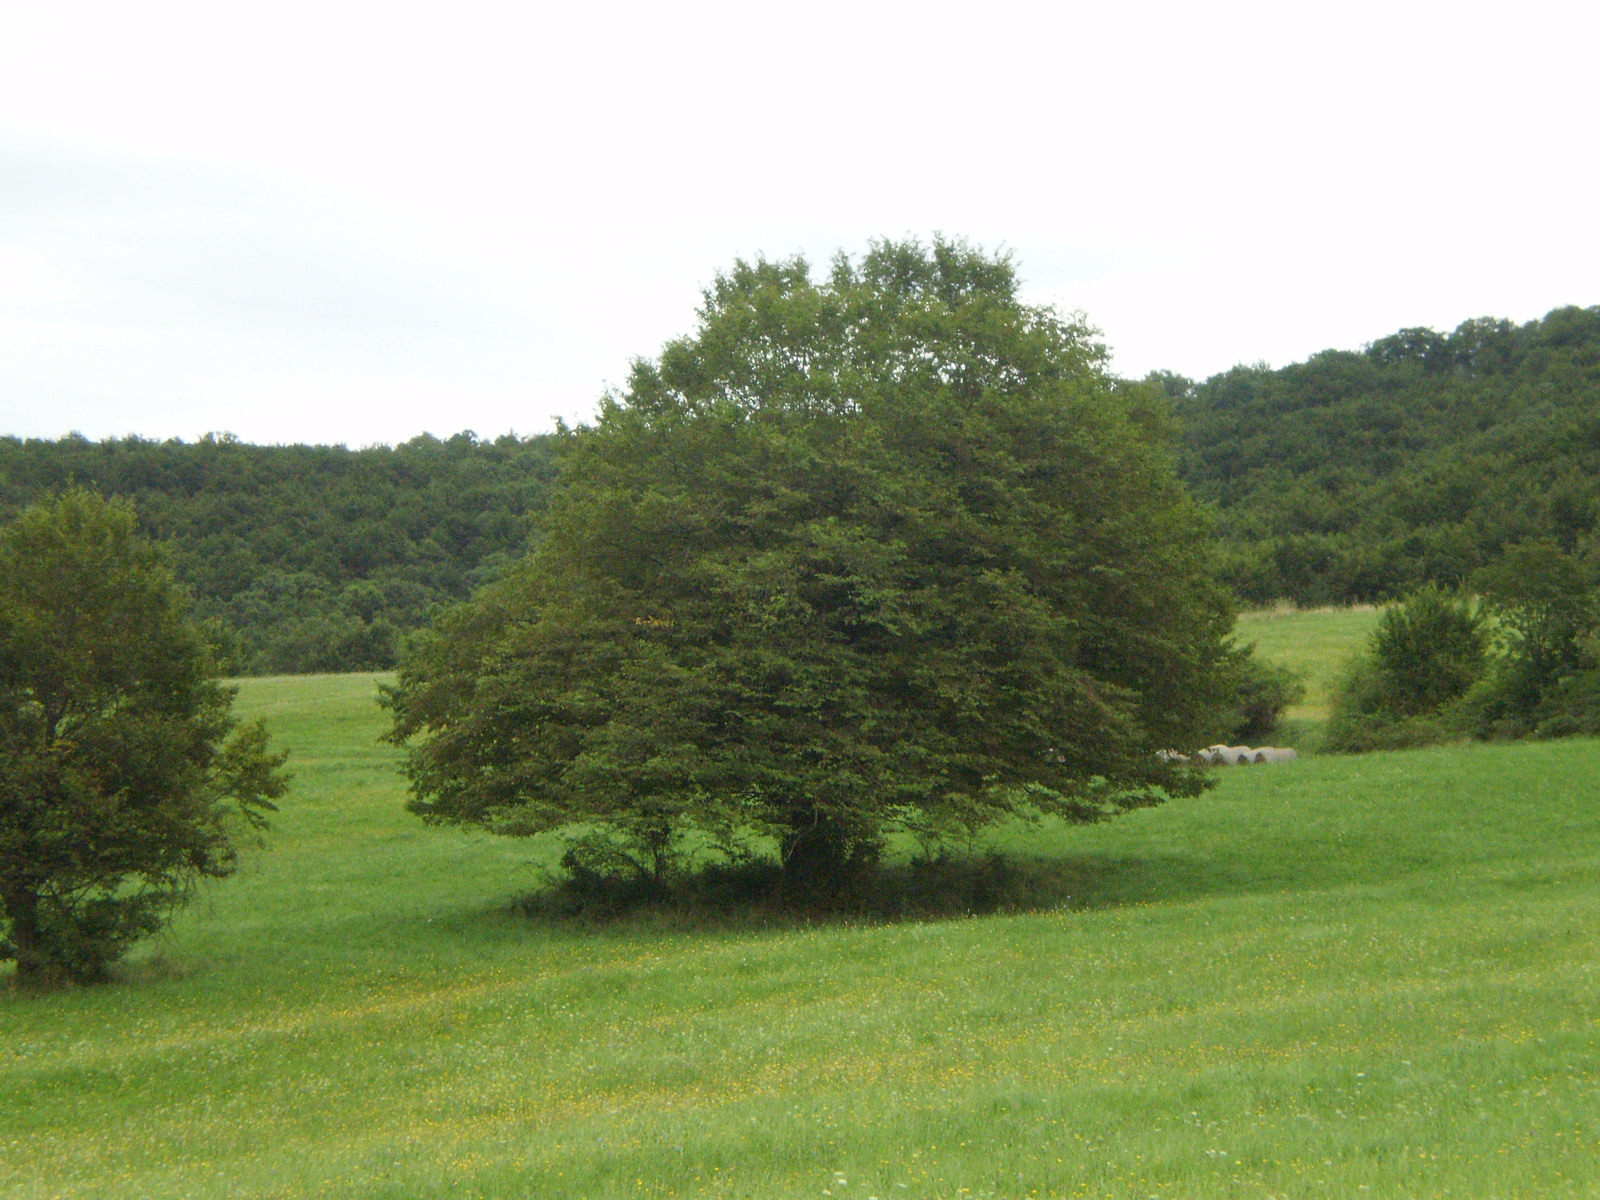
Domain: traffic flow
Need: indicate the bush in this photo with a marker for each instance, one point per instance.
(1408, 686)
(1429, 651)
(1573, 707)
(1264, 691)
(1544, 681)
(1363, 721)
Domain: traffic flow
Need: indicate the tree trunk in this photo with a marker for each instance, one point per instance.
(22, 907)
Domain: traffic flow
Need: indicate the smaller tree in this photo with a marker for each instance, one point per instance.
(1406, 688)
(123, 778)
(1429, 651)
(1544, 599)
(1262, 691)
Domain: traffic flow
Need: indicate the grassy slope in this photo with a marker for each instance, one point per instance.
(1315, 642)
(1368, 973)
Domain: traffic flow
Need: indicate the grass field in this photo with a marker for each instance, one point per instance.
(1344, 977)
(1314, 642)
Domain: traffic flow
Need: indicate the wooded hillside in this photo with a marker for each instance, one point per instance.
(1356, 476)
(309, 558)
(1353, 476)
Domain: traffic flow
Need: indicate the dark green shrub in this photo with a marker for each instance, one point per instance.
(1428, 652)
(1264, 691)
(1572, 707)
(1406, 688)
(1543, 683)
(1363, 719)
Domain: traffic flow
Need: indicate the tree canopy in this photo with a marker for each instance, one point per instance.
(1353, 476)
(1519, 658)
(308, 558)
(122, 776)
(885, 550)
(1359, 476)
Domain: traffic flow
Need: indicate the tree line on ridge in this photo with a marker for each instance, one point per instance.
(308, 558)
(1355, 476)
(1360, 476)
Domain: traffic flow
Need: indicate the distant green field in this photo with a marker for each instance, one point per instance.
(1314, 642)
(1344, 977)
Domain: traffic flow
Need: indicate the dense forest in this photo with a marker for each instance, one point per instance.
(1353, 476)
(309, 558)
(1359, 475)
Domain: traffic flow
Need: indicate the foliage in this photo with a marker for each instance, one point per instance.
(888, 551)
(1404, 688)
(1262, 692)
(1361, 719)
(1428, 651)
(1357, 477)
(1572, 705)
(119, 781)
(1430, 672)
(1545, 601)
(308, 558)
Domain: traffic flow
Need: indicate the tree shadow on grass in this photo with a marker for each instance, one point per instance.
(754, 894)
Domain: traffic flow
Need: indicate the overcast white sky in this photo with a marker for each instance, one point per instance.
(352, 222)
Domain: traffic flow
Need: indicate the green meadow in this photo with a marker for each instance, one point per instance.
(1366, 976)
(1316, 643)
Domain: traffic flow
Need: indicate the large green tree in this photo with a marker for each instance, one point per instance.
(889, 550)
(122, 776)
